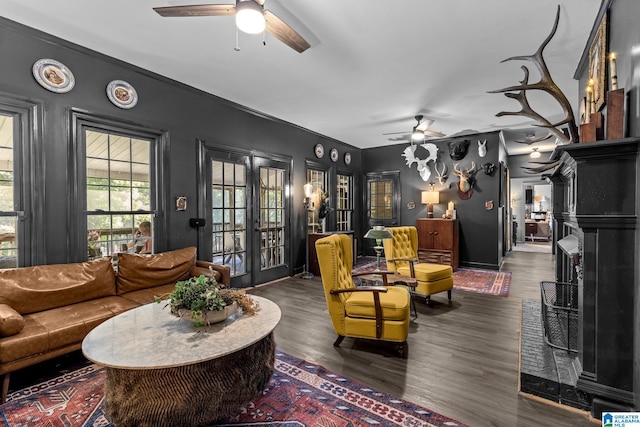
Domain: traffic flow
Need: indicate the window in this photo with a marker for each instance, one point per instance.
(380, 199)
(344, 203)
(229, 214)
(272, 213)
(317, 180)
(8, 213)
(118, 192)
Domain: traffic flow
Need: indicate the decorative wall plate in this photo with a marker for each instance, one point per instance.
(122, 94)
(319, 150)
(334, 155)
(53, 75)
(347, 158)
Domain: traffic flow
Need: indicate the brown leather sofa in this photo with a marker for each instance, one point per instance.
(47, 310)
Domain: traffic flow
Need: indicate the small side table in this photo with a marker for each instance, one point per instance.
(392, 280)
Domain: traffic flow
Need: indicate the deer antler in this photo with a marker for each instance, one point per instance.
(545, 84)
(472, 168)
(545, 167)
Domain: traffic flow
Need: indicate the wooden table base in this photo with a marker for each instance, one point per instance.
(193, 395)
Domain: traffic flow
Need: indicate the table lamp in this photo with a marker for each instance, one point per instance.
(429, 198)
(378, 232)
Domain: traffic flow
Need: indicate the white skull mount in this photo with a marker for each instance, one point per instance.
(482, 148)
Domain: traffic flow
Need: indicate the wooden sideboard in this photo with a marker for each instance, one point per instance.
(314, 267)
(438, 241)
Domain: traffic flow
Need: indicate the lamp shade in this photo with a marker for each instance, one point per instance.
(378, 232)
(249, 17)
(430, 197)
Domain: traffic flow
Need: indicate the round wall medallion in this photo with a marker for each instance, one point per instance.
(347, 158)
(334, 155)
(319, 150)
(122, 94)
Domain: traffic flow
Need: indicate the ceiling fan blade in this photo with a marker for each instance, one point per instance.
(283, 32)
(424, 125)
(397, 133)
(197, 10)
(433, 133)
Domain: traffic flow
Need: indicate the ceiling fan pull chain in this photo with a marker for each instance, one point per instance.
(264, 40)
(237, 48)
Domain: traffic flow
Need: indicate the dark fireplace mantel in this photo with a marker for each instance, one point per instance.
(596, 221)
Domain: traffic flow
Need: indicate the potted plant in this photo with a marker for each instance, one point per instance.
(203, 301)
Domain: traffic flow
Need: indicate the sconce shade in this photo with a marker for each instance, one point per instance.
(308, 189)
(249, 17)
(430, 197)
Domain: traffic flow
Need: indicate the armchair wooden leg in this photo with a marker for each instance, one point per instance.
(449, 294)
(403, 349)
(338, 341)
(5, 387)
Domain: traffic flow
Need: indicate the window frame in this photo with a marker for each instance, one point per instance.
(77, 221)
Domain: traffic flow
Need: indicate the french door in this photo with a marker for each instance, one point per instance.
(246, 209)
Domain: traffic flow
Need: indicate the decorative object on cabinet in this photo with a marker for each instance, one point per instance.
(442, 176)
(347, 159)
(438, 240)
(53, 75)
(429, 198)
(466, 180)
(319, 151)
(597, 61)
(482, 148)
(308, 205)
(122, 94)
(451, 212)
(458, 149)
(333, 154)
(409, 154)
(378, 233)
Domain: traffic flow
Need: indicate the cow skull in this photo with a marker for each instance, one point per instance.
(465, 185)
(423, 168)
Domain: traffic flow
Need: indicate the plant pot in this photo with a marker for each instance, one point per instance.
(210, 317)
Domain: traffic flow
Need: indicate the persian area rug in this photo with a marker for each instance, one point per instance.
(486, 282)
(299, 394)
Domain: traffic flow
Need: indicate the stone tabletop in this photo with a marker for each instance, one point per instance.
(151, 337)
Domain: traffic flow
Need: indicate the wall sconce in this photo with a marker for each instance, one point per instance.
(429, 198)
(378, 232)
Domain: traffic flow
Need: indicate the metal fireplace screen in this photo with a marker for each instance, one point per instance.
(560, 315)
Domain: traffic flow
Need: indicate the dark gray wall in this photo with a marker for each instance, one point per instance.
(480, 229)
(186, 114)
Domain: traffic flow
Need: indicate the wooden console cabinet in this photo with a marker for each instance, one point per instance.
(438, 241)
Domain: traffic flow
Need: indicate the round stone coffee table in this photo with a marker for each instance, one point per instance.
(162, 371)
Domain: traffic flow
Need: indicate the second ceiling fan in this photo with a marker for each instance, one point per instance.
(251, 17)
(421, 130)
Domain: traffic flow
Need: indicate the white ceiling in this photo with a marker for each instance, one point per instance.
(372, 66)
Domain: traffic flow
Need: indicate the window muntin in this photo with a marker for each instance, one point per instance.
(344, 202)
(381, 199)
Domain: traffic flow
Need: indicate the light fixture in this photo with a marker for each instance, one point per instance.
(534, 153)
(250, 17)
(378, 232)
(416, 135)
(308, 205)
(429, 198)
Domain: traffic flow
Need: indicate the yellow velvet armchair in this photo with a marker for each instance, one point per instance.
(401, 254)
(374, 312)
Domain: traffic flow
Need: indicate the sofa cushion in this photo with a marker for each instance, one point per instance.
(147, 296)
(34, 289)
(10, 321)
(145, 271)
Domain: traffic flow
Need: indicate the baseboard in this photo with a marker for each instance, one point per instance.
(480, 265)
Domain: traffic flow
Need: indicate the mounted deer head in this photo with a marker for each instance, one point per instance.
(467, 180)
(442, 176)
(482, 148)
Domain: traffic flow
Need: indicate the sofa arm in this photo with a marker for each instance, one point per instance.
(11, 322)
(202, 267)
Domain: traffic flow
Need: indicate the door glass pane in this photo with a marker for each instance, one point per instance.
(381, 199)
(8, 220)
(344, 202)
(271, 217)
(229, 215)
(316, 178)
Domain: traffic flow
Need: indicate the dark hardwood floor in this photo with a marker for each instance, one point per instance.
(463, 357)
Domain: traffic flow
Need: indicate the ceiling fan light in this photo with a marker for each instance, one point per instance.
(249, 17)
(534, 153)
(417, 136)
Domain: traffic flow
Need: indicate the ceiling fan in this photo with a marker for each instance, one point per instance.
(251, 18)
(420, 130)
